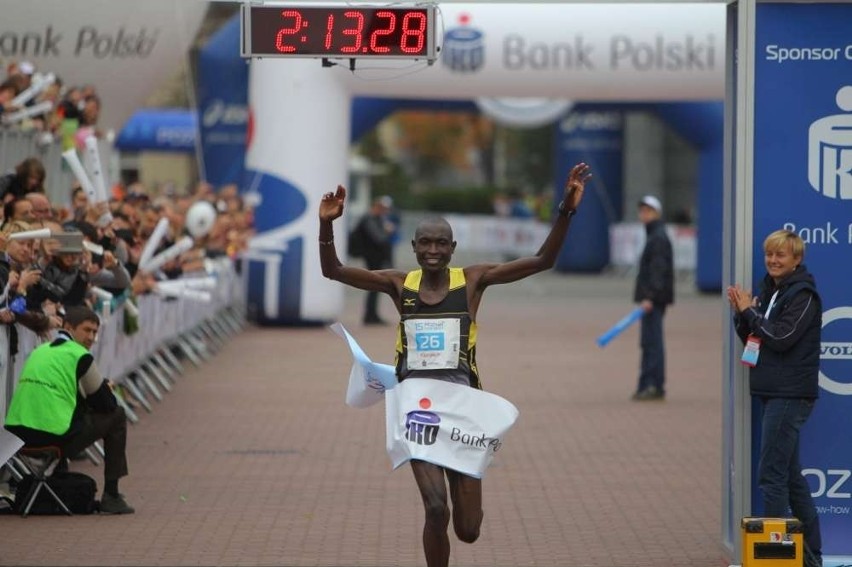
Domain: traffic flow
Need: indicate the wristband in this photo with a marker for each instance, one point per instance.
(326, 242)
(564, 211)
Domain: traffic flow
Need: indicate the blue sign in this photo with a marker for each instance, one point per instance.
(223, 106)
(594, 137)
(803, 182)
(158, 130)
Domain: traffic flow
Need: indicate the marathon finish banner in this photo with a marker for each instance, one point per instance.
(803, 182)
(451, 425)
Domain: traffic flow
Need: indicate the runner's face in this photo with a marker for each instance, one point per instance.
(433, 246)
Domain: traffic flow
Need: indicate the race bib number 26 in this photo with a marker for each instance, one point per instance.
(433, 343)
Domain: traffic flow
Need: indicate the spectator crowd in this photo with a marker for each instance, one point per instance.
(91, 247)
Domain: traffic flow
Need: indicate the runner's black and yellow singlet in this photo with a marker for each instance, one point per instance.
(442, 336)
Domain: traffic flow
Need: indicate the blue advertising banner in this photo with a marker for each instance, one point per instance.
(159, 130)
(594, 137)
(223, 106)
(803, 182)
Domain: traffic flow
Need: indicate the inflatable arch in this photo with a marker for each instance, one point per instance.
(301, 112)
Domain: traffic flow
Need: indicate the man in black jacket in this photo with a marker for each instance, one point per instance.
(782, 330)
(377, 230)
(654, 292)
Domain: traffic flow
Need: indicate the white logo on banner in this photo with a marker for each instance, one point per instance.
(830, 150)
(835, 351)
(218, 112)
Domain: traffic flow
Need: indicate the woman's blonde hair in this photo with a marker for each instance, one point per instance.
(15, 226)
(784, 239)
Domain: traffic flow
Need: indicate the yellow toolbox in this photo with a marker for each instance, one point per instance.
(772, 542)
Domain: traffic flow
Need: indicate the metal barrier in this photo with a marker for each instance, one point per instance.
(145, 363)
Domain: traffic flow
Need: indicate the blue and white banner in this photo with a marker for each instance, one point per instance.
(454, 426)
(223, 106)
(803, 182)
(594, 137)
(368, 380)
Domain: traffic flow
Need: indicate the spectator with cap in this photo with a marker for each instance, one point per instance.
(654, 291)
(72, 269)
(26, 69)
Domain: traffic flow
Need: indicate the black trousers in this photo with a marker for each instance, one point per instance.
(112, 428)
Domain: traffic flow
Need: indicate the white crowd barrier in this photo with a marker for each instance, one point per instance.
(195, 328)
(523, 237)
(509, 236)
(626, 241)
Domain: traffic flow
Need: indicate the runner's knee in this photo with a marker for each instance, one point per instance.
(467, 531)
(467, 534)
(437, 514)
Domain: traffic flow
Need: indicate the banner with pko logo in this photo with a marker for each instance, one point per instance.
(803, 182)
(455, 426)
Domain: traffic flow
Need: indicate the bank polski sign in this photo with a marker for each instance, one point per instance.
(571, 51)
(803, 182)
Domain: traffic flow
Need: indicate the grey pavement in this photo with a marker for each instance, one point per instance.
(254, 459)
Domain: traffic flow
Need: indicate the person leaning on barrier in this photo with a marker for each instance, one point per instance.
(67, 277)
(19, 271)
(28, 177)
(438, 291)
(61, 399)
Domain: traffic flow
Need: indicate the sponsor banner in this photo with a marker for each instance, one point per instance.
(594, 137)
(663, 51)
(166, 130)
(223, 106)
(125, 49)
(803, 182)
(458, 427)
(454, 426)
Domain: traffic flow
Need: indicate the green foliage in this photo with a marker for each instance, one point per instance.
(469, 200)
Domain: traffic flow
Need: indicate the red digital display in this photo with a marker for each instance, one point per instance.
(287, 30)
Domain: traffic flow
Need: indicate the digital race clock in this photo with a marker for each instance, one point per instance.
(342, 31)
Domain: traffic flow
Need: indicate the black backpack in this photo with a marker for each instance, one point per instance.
(357, 245)
(77, 491)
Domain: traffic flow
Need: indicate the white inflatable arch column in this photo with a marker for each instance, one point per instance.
(297, 150)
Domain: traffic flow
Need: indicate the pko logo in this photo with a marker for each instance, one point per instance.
(835, 351)
(463, 50)
(422, 427)
(830, 150)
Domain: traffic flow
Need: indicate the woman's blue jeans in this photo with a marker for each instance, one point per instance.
(779, 472)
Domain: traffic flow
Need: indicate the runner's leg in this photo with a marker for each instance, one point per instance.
(433, 490)
(466, 494)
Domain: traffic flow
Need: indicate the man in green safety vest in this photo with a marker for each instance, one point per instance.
(61, 399)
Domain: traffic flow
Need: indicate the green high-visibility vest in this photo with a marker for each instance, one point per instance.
(46, 394)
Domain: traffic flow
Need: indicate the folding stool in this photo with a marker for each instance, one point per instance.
(40, 462)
